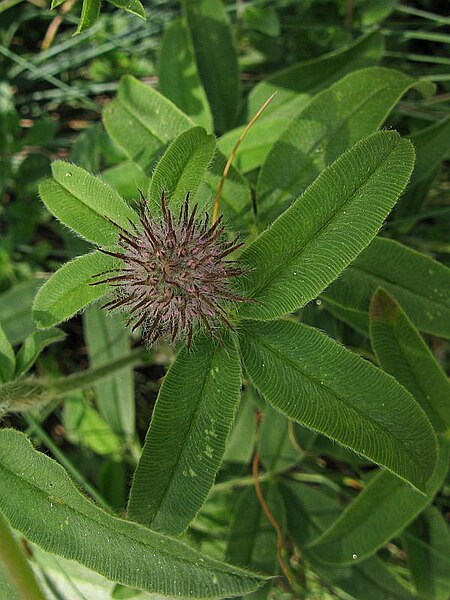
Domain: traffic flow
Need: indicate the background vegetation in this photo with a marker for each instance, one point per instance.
(60, 95)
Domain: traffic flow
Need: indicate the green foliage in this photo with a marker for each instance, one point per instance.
(186, 439)
(42, 499)
(327, 227)
(69, 290)
(107, 339)
(418, 282)
(317, 382)
(216, 58)
(179, 80)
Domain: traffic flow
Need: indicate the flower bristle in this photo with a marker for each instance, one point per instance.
(174, 277)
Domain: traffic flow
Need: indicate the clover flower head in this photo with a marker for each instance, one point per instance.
(174, 276)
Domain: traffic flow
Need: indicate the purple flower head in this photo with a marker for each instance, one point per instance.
(173, 276)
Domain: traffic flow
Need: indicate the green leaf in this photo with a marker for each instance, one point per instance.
(134, 7)
(274, 444)
(7, 358)
(107, 339)
(241, 439)
(326, 228)
(309, 512)
(252, 539)
(126, 178)
(378, 514)
(416, 281)
(42, 503)
(216, 57)
(427, 542)
(178, 75)
(85, 427)
(304, 79)
(186, 440)
(182, 168)
(402, 352)
(258, 141)
(333, 121)
(141, 121)
(85, 203)
(315, 381)
(89, 14)
(15, 309)
(69, 290)
(33, 346)
(431, 145)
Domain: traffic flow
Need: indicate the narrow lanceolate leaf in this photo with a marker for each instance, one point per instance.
(380, 512)
(427, 545)
(42, 503)
(310, 511)
(304, 79)
(320, 384)
(310, 244)
(7, 358)
(419, 283)
(107, 339)
(178, 75)
(85, 203)
(89, 14)
(216, 57)
(182, 168)
(33, 346)
(186, 439)
(141, 121)
(402, 352)
(332, 122)
(69, 289)
(431, 144)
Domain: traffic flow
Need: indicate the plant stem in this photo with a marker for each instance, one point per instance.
(16, 565)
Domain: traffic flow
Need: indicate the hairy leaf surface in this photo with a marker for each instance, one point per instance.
(186, 440)
(69, 290)
(85, 203)
(311, 243)
(42, 503)
(317, 382)
(182, 168)
(333, 121)
(309, 77)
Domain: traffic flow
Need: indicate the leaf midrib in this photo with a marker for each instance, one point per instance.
(316, 381)
(275, 272)
(117, 532)
(185, 437)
